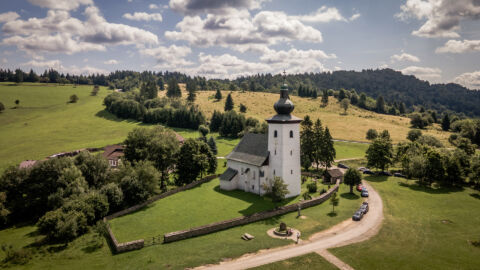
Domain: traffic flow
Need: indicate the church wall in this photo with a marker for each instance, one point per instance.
(248, 181)
(285, 155)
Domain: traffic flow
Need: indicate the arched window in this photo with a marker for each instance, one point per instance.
(275, 134)
(291, 133)
(291, 152)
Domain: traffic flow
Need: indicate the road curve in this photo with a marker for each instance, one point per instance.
(342, 234)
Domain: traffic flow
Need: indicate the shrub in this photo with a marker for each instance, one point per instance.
(20, 256)
(203, 130)
(312, 187)
(73, 98)
(414, 134)
(430, 141)
(2, 107)
(243, 108)
(114, 195)
(372, 134)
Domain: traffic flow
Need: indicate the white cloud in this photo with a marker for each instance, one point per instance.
(58, 32)
(86, 70)
(355, 16)
(111, 62)
(8, 16)
(442, 17)
(470, 80)
(169, 57)
(55, 64)
(424, 73)
(153, 6)
(322, 15)
(143, 16)
(459, 46)
(404, 57)
(61, 4)
(194, 7)
(241, 32)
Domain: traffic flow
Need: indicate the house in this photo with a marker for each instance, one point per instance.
(259, 158)
(114, 154)
(331, 176)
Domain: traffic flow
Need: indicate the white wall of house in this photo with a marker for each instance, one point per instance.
(248, 178)
(284, 160)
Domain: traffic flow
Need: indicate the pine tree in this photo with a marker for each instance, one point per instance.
(307, 145)
(446, 122)
(380, 105)
(191, 88)
(318, 138)
(173, 89)
(325, 97)
(328, 153)
(362, 103)
(218, 95)
(229, 103)
(160, 83)
(213, 145)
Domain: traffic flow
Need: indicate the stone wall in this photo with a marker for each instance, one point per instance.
(218, 226)
(161, 196)
(122, 247)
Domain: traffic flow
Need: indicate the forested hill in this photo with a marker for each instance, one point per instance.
(391, 84)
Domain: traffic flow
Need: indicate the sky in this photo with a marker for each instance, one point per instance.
(435, 40)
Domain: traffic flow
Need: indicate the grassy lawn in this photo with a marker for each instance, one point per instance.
(306, 262)
(350, 150)
(423, 229)
(196, 251)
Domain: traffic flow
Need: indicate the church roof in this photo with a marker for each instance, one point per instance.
(284, 119)
(228, 174)
(252, 149)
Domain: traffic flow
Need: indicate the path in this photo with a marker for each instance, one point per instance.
(342, 234)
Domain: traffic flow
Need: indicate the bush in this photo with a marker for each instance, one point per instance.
(203, 130)
(414, 134)
(114, 195)
(243, 108)
(430, 141)
(2, 107)
(73, 98)
(63, 226)
(312, 187)
(372, 134)
(20, 256)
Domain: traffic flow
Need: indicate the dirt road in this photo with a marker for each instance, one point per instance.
(345, 233)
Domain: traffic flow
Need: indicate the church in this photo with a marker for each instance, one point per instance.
(260, 157)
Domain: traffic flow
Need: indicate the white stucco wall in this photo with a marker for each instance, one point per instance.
(284, 160)
(248, 181)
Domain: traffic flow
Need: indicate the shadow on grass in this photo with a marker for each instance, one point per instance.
(475, 195)
(108, 116)
(416, 186)
(332, 214)
(349, 196)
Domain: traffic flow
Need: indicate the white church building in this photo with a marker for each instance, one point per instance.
(260, 157)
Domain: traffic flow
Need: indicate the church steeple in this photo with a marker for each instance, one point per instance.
(284, 105)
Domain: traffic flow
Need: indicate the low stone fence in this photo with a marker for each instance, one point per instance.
(218, 226)
(122, 247)
(161, 196)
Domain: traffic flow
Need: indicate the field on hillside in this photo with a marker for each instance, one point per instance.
(352, 126)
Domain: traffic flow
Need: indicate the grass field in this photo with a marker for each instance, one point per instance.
(352, 126)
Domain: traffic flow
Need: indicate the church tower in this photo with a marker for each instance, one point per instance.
(284, 144)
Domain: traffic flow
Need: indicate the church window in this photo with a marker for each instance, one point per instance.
(253, 187)
(253, 175)
(275, 134)
(291, 133)
(261, 174)
(273, 172)
(275, 151)
(291, 171)
(291, 152)
(242, 171)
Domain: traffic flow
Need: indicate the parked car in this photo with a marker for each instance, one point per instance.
(397, 174)
(364, 189)
(359, 187)
(385, 173)
(368, 172)
(364, 208)
(357, 216)
(364, 193)
(343, 166)
(362, 169)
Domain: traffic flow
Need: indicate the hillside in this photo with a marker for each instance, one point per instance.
(352, 126)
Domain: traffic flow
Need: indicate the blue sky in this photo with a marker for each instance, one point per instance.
(434, 40)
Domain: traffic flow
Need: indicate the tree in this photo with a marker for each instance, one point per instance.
(385, 135)
(18, 76)
(138, 182)
(149, 89)
(203, 130)
(95, 90)
(341, 95)
(2, 107)
(372, 134)
(344, 104)
(380, 105)
(307, 143)
(243, 108)
(318, 142)
(466, 145)
(434, 171)
(17, 102)
(334, 201)
(446, 122)
(94, 168)
(216, 121)
(324, 98)
(218, 95)
(229, 103)
(191, 89)
(161, 83)
(276, 189)
(362, 102)
(328, 150)
(475, 171)
(114, 195)
(213, 145)
(173, 90)
(380, 153)
(352, 178)
(73, 98)
(194, 159)
(232, 124)
(418, 121)
(414, 134)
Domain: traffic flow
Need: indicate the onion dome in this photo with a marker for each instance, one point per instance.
(284, 105)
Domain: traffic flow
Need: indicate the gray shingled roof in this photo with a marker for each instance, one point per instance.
(252, 149)
(228, 174)
(335, 173)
